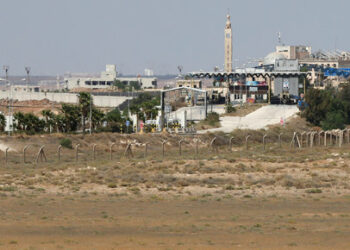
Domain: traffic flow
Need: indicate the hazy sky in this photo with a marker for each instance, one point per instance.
(58, 36)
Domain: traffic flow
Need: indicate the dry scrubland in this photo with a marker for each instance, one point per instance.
(273, 199)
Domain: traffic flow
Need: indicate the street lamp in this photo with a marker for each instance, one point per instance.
(27, 69)
(90, 112)
(8, 83)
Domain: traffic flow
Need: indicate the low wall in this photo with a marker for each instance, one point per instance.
(99, 101)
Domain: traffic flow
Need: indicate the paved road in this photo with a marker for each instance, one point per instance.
(261, 118)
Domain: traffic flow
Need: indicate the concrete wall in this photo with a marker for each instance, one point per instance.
(99, 101)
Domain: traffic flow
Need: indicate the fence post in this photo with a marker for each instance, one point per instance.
(341, 134)
(264, 141)
(280, 139)
(94, 151)
(6, 154)
(163, 148)
(325, 138)
(212, 146)
(110, 150)
(41, 155)
(319, 138)
(301, 139)
(336, 133)
(230, 143)
(24, 153)
(76, 152)
(128, 151)
(180, 150)
(146, 149)
(59, 152)
(246, 141)
(308, 139)
(348, 136)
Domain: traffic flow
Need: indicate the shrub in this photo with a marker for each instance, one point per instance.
(67, 143)
(314, 191)
(334, 120)
(112, 185)
(213, 118)
(229, 108)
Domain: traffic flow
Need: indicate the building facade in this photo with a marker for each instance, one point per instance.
(195, 84)
(106, 80)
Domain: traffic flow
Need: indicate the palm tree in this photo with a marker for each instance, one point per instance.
(19, 121)
(71, 116)
(49, 117)
(85, 105)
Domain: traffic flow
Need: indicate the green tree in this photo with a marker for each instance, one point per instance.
(60, 124)
(33, 124)
(2, 122)
(318, 104)
(19, 122)
(98, 117)
(49, 118)
(119, 85)
(344, 95)
(85, 102)
(333, 120)
(114, 116)
(71, 117)
(144, 106)
(134, 85)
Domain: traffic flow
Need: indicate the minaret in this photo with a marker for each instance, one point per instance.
(228, 45)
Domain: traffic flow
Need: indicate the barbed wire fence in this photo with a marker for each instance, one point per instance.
(193, 148)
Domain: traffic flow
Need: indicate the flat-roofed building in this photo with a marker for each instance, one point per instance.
(107, 79)
(25, 88)
(196, 84)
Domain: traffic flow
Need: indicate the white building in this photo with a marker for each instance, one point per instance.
(106, 80)
(25, 88)
(148, 72)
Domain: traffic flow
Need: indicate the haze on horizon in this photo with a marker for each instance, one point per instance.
(55, 37)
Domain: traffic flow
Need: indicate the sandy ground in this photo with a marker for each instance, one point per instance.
(112, 222)
(274, 199)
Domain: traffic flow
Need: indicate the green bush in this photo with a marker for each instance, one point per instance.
(213, 118)
(334, 120)
(67, 143)
(229, 108)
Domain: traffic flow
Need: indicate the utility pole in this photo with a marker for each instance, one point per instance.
(6, 69)
(90, 113)
(27, 69)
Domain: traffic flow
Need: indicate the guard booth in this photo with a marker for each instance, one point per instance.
(182, 104)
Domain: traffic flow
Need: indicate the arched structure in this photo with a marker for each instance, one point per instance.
(269, 76)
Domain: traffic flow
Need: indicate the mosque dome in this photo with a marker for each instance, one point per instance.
(272, 57)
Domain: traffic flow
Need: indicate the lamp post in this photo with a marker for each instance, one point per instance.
(90, 113)
(7, 82)
(27, 69)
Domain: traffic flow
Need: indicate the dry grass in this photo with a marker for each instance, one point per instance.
(280, 197)
(245, 109)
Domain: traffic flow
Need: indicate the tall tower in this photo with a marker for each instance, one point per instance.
(228, 45)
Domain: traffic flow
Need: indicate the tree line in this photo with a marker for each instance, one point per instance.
(328, 108)
(73, 118)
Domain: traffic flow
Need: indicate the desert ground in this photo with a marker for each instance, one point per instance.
(229, 198)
